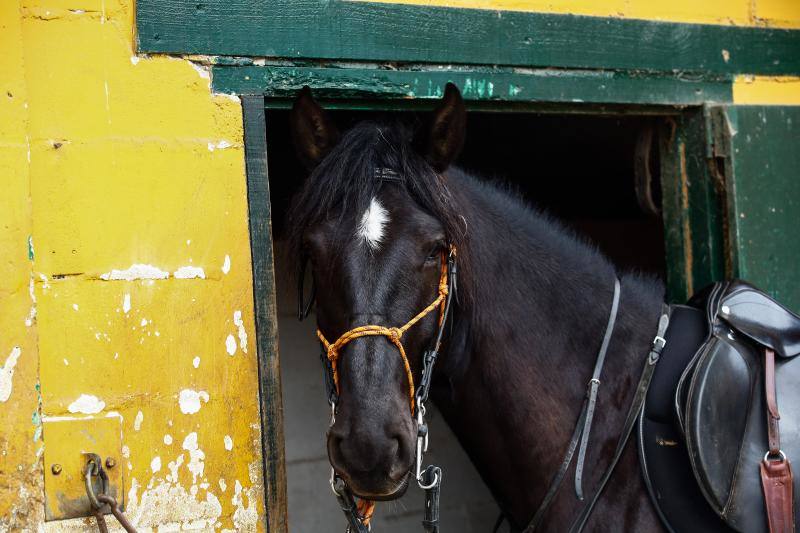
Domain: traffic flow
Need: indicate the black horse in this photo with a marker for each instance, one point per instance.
(529, 315)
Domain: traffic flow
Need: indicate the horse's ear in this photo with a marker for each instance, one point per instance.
(313, 132)
(447, 129)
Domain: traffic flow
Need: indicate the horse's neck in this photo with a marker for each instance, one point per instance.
(527, 354)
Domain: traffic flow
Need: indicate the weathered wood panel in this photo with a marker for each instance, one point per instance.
(763, 194)
(692, 208)
(265, 312)
(409, 33)
(477, 84)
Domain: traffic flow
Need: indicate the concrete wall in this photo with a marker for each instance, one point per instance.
(125, 281)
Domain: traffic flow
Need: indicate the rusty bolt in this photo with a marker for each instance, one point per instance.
(110, 462)
(55, 469)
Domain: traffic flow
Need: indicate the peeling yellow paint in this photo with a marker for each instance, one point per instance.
(112, 161)
(766, 90)
(772, 13)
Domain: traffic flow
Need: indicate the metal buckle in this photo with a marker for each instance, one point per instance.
(781, 456)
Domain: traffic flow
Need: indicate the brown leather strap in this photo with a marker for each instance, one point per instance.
(772, 403)
(776, 471)
(776, 480)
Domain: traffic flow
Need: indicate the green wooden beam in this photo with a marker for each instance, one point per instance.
(269, 375)
(477, 85)
(692, 207)
(762, 171)
(365, 31)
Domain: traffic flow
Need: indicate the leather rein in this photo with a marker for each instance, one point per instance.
(584, 423)
(359, 512)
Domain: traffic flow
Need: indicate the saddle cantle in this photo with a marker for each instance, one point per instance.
(719, 427)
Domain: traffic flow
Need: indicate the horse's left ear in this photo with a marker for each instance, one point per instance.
(313, 132)
(447, 130)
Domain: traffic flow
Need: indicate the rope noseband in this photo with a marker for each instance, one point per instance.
(394, 335)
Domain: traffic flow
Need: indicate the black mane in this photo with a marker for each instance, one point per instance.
(504, 244)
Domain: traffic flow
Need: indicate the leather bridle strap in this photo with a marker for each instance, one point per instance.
(584, 424)
(637, 403)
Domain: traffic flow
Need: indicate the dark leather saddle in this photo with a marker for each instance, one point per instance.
(713, 443)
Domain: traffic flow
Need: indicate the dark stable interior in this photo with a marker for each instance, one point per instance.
(579, 168)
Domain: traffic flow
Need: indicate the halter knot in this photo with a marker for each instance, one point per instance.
(395, 334)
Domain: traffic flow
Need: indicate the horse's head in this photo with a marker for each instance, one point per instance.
(373, 219)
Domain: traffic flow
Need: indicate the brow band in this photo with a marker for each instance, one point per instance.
(387, 174)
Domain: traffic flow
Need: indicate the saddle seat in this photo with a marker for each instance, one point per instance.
(703, 431)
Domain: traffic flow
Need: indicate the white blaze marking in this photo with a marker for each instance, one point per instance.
(372, 225)
(87, 404)
(189, 400)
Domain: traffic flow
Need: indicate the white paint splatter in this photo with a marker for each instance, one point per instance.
(7, 373)
(155, 464)
(189, 272)
(135, 60)
(202, 70)
(136, 271)
(372, 225)
(226, 265)
(189, 400)
(222, 485)
(168, 439)
(126, 452)
(137, 422)
(144, 322)
(230, 345)
(87, 404)
(221, 145)
(228, 442)
(196, 361)
(66, 363)
(196, 456)
(237, 321)
(126, 303)
(75, 306)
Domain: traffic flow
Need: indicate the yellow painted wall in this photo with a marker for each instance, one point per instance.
(108, 160)
(766, 90)
(772, 13)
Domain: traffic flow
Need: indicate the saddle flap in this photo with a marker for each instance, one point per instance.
(761, 318)
(717, 411)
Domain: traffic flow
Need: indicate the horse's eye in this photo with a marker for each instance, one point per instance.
(435, 254)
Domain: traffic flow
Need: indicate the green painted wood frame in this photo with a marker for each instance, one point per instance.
(759, 157)
(269, 376)
(362, 31)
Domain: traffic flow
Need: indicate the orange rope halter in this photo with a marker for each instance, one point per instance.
(392, 334)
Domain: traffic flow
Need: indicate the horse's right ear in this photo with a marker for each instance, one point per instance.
(313, 132)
